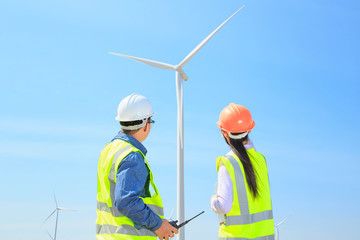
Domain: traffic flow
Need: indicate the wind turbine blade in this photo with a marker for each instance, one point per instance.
(180, 103)
(171, 213)
(183, 75)
(282, 221)
(193, 52)
(147, 61)
(67, 209)
(50, 235)
(55, 201)
(49, 216)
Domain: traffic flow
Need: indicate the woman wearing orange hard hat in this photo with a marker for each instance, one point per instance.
(242, 199)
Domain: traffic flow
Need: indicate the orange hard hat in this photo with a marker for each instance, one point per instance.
(235, 119)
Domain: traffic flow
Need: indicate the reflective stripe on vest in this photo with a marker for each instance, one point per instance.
(103, 206)
(111, 224)
(123, 229)
(270, 237)
(245, 217)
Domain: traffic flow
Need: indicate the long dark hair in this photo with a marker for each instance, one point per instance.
(238, 148)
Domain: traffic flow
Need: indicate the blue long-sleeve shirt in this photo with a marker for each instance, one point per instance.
(133, 182)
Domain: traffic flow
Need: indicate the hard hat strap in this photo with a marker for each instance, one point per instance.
(238, 136)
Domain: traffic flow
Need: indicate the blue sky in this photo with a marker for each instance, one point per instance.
(294, 64)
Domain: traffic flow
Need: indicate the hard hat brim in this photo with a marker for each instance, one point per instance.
(235, 130)
(117, 118)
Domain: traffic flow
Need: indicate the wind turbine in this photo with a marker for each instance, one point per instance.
(179, 77)
(57, 209)
(277, 227)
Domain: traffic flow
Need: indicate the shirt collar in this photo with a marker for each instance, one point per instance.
(133, 141)
(249, 144)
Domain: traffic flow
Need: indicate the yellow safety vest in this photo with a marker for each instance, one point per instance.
(110, 223)
(248, 218)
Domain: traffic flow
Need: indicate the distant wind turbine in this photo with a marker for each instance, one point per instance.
(277, 227)
(57, 209)
(180, 75)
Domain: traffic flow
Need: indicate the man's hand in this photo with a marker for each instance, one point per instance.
(166, 231)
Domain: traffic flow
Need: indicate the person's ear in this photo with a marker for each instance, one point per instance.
(226, 135)
(145, 127)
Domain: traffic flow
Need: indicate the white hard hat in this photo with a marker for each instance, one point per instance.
(134, 107)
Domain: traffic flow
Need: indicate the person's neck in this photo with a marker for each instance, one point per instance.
(137, 137)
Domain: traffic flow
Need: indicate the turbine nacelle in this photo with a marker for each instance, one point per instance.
(60, 208)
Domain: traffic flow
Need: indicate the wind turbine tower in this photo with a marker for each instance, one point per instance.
(179, 77)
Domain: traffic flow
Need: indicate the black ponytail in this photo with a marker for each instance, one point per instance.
(238, 148)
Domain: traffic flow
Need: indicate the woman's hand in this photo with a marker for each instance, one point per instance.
(213, 198)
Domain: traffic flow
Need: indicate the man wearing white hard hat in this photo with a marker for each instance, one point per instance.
(126, 207)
